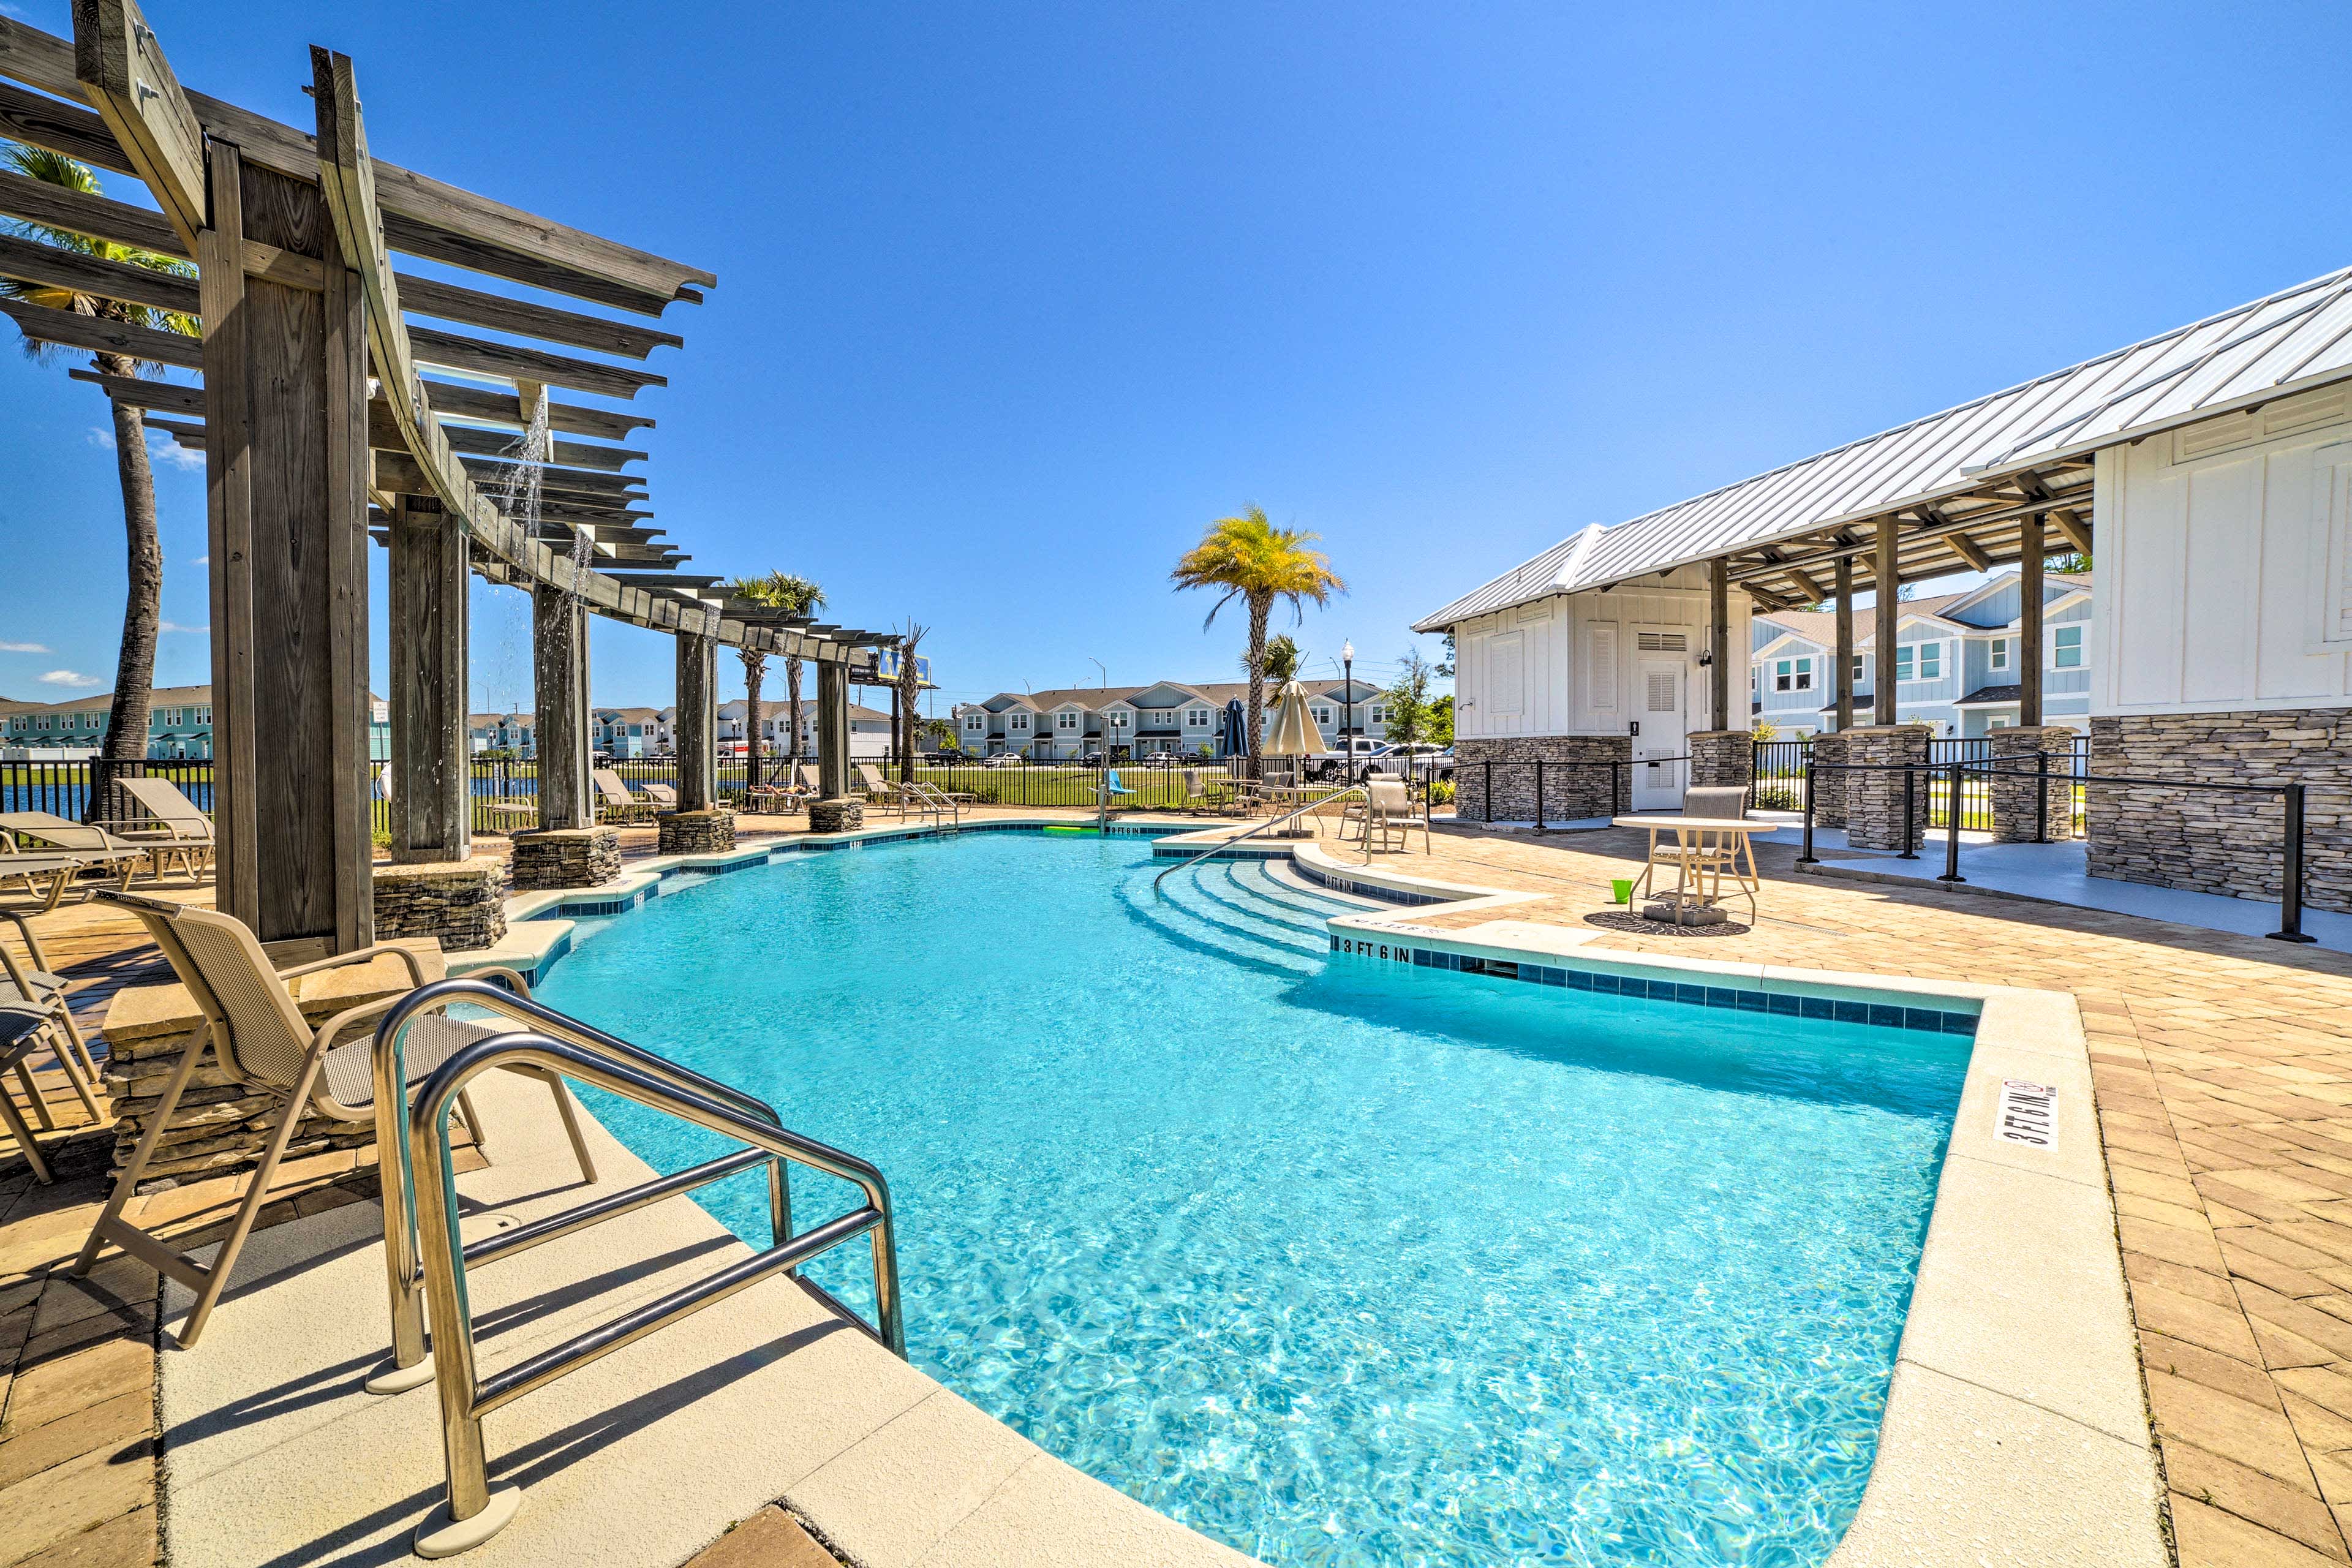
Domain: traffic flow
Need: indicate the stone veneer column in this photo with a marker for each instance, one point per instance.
(711, 831)
(1569, 793)
(2215, 842)
(2014, 817)
(845, 814)
(461, 904)
(1722, 759)
(1828, 750)
(1873, 801)
(566, 857)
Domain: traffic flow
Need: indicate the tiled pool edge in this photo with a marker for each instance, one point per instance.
(2016, 1427)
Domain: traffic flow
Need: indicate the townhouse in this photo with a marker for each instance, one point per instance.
(870, 730)
(179, 725)
(1954, 660)
(1167, 717)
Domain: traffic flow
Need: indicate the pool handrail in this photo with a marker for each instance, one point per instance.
(404, 1278)
(1223, 844)
(471, 1513)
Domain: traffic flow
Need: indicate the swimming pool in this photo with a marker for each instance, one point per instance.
(1336, 1261)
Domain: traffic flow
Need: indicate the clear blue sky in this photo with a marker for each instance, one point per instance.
(1013, 300)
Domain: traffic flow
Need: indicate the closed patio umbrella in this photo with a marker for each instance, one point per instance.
(1294, 733)
(1232, 731)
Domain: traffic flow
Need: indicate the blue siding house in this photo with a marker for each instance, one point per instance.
(1954, 660)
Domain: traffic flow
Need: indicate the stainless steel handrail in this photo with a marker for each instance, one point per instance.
(468, 1516)
(1224, 844)
(403, 1280)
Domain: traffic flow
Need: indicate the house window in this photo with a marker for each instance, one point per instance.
(1379, 713)
(2000, 653)
(1998, 721)
(1196, 717)
(1066, 720)
(1018, 724)
(204, 715)
(2066, 648)
(1322, 714)
(1858, 668)
(975, 722)
(1119, 717)
(1793, 675)
(1931, 660)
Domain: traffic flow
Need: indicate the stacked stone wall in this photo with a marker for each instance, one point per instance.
(461, 904)
(708, 832)
(845, 814)
(1829, 783)
(1875, 798)
(2016, 751)
(1723, 759)
(2213, 841)
(566, 857)
(1571, 793)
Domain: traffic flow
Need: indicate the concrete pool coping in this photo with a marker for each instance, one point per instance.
(2016, 1427)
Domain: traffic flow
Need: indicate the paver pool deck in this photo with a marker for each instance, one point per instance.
(2223, 1076)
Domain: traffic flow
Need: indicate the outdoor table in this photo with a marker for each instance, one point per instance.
(1292, 796)
(1702, 843)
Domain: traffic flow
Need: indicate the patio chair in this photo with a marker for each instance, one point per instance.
(36, 986)
(615, 803)
(22, 1031)
(60, 867)
(1700, 864)
(1386, 811)
(664, 797)
(49, 834)
(263, 1043)
(878, 790)
(182, 830)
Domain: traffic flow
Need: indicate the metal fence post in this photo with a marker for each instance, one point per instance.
(1805, 857)
(1910, 817)
(1952, 828)
(1489, 807)
(2291, 873)
(1540, 820)
(2041, 797)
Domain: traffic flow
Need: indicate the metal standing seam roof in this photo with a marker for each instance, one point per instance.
(2287, 342)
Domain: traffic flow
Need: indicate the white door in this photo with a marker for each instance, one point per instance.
(1658, 708)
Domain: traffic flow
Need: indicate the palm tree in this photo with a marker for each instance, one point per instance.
(795, 596)
(135, 667)
(758, 591)
(1284, 660)
(911, 690)
(1256, 562)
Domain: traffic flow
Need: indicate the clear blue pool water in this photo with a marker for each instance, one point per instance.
(1336, 1261)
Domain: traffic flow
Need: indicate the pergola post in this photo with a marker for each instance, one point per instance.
(836, 813)
(559, 630)
(1844, 656)
(700, 825)
(2029, 621)
(426, 604)
(1718, 642)
(285, 466)
(1886, 584)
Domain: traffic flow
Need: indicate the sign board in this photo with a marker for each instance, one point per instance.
(2029, 1113)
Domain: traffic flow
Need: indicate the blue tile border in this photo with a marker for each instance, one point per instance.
(1682, 991)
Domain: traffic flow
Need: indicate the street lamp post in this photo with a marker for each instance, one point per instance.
(1348, 729)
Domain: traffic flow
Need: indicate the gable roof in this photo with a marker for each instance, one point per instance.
(2298, 338)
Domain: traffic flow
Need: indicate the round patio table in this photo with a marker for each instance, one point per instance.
(1703, 846)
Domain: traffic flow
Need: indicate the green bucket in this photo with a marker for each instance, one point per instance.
(1621, 890)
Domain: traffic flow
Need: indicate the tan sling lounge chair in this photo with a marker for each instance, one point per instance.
(43, 833)
(179, 830)
(34, 1013)
(615, 803)
(263, 1043)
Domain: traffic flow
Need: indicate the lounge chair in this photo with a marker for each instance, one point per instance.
(615, 803)
(664, 797)
(47, 835)
(178, 827)
(60, 867)
(878, 790)
(263, 1043)
(34, 1013)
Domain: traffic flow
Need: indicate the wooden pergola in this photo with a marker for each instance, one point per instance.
(2011, 520)
(329, 414)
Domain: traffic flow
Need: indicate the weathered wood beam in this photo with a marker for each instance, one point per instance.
(2071, 524)
(69, 329)
(668, 579)
(64, 128)
(93, 218)
(1808, 585)
(451, 351)
(1718, 642)
(432, 813)
(170, 397)
(2029, 555)
(1885, 584)
(429, 297)
(30, 261)
(1843, 642)
(189, 434)
(1966, 549)
(123, 69)
(1973, 522)
(505, 408)
(426, 217)
(472, 442)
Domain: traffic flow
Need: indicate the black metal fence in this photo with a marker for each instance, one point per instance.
(1779, 778)
(77, 790)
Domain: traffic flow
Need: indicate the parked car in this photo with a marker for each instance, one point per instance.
(1419, 758)
(1005, 760)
